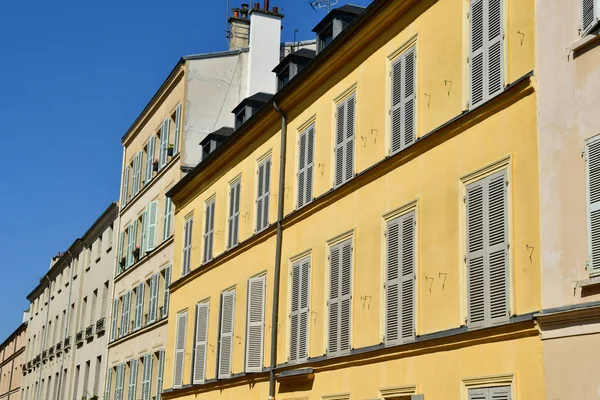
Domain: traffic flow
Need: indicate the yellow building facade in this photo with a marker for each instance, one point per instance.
(406, 265)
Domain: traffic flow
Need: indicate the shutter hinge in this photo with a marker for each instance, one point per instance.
(384, 234)
(507, 182)
(465, 258)
(466, 320)
(464, 199)
(508, 245)
(384, 285)
(468, 15)
(508, 311)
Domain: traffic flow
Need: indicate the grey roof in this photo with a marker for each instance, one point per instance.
(347, 10)
(258, 98)
(300, 56)
(223, 133)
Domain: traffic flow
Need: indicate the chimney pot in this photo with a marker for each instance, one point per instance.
(275, 10)
(244, 11)
(236, 13)
(257, 6)
(266, 5)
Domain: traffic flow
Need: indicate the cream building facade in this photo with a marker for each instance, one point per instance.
(568, 70)
(67, 333)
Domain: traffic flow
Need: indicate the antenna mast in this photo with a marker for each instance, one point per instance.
(322, 4)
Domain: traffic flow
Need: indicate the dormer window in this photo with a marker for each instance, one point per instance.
(334, 23)
(248, 107)
(283, 78)
(291, 65)
(214, 140)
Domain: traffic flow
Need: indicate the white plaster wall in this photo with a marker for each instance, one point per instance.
(265, 42)
(214, 87)
(568, 101)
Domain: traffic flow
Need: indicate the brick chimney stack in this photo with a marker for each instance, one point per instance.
(239, 28)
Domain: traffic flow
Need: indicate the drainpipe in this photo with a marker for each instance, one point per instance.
(37, 393)
(280, 193)
(66, 331)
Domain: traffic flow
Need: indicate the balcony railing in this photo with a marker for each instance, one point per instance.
(100, 326)
(79, 338)
(51, 352)
(59, 347)
(89, 332)
(37, 360)
(67, 343)
(44, 356)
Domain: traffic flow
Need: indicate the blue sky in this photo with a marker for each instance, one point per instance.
(74, 75)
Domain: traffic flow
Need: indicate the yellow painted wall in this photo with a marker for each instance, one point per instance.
(432, 179)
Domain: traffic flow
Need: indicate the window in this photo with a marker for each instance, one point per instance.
(153, 299)
(283, 77)
(400, 279)
(263, 194)
(299, 312)
(187, 246)
(487, 251)
(492, 393)
(125, 312)
(179, 349)
(403, 111)
(177, 120)
(234, 213)
(120, 256)
(147, 376)
(167, 280)
(209, 229)
(131, 243)
(119, 381)
(589, 16)
(139, 306)
(306, 154)
(592, 161)
(161, 369)
(226, 334)
(486, 65)
(164, 143)
(255, 324)
(168, 217)
(201, 342)
(325, 37)
(151, 217)
(344, 140)
(136, 172)
(143, 221)
(108, 382)
(133, 373)
(340, 298)
(240, 118)
(150, 158)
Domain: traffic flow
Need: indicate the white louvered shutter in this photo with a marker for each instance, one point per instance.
(226, 334)
(177, 129)
(255, 324)
(187, 246)
(164, 143)
(144, 233)
(168, 217)
(201, 342)
(128, 252)
(264, 194)
(340, 298)
(127, 314)
(150, 158)
(487, 251)
(589, 15)
(152, 213)
(133, 370)
(119, 378)
(492, 393)
(306, 148)
(478, 394)
(400, 280)
(134, 175)
(147, 377)
(124, 193)
(113, 325)
(209, 230)
(120, 252)
(403, 112)
(344, 148)
(161, 369)
(299, 311)
(486, 58)
(234, 214)
(180, 349)
(153, 301)
(592, 160)
(139, 306)
(108, 382)
(166, 293)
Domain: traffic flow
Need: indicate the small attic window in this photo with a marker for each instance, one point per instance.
(283, 77)
(240, 118)
(326, 37)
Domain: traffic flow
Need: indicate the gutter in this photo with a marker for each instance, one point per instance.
(280, 194)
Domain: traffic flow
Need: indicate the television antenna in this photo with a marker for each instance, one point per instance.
(322, 4)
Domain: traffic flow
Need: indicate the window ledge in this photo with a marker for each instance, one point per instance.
(583, 44)
(146, 257)
(586, 283)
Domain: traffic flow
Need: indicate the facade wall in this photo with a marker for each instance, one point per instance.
(79, 299)
(430, 177)
(12, 358)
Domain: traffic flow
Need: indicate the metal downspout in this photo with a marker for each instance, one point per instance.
(37, 393)
(62, 358)
(280, 193)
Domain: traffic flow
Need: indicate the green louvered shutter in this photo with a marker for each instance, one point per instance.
(177, 129)
(124, 194)
(133, 372)
(201, 342)
(167, 219)
(108, 382)
(113, 325)
(166, 293)
(147, 377)
(139, 306)
(150, 158)
(144, 232)
(153, 300)
(151, 212)
(161, 369)
(164, 143)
